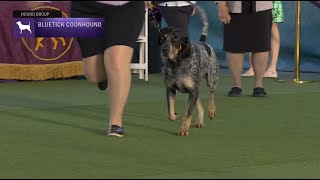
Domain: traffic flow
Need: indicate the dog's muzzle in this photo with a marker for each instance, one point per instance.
(165, 49)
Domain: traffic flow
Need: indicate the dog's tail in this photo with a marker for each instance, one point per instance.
(204, 21)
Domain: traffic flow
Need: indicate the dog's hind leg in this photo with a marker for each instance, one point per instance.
(171, 94)
(212, 81)
(184, 131)
(212, 106)
(199, 123)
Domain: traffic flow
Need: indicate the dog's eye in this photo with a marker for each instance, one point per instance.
(175, 39)
(162, 39)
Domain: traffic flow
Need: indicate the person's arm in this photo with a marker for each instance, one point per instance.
(221, 2)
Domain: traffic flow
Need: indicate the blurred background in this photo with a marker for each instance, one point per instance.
(310, 35)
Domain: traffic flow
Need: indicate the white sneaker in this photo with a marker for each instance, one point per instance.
(270, 74)
(248, 73)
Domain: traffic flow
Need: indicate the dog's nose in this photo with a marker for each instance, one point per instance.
(165, 49)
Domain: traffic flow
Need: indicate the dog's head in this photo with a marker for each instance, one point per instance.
(175, 44)
(18, 22)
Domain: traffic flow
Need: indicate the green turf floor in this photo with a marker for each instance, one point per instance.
(56, 129)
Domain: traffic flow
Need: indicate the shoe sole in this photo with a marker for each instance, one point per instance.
(114, 135)
(234, 95)
(259, 95)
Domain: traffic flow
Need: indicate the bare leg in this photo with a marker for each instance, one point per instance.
(259, 63)
(275, 47)
(94, 69)
(250, 59)
(235, 62)
(274, 53)
(117, 63)
(249, 72)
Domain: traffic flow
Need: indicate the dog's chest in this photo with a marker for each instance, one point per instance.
(183, 83)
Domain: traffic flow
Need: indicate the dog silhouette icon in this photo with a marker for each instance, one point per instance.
(24, 27)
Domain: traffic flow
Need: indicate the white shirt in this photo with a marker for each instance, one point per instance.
(177, 3)
(236, 6)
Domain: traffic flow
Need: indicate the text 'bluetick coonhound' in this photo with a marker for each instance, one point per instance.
(185, 65)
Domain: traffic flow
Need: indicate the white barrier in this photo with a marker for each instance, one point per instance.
(142, 66)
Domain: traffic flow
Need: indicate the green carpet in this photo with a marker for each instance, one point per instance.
(56, 129)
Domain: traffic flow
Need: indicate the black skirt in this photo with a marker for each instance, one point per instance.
(248, 32)
(123, 24)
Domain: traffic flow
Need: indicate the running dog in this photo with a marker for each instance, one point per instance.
(185, 65)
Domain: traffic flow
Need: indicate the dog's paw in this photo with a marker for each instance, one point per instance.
(182, 133)
(212, 114)
(199, 125)
(173, 117)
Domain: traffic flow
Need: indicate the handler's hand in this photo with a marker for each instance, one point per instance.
(223, 14)
(147, 4)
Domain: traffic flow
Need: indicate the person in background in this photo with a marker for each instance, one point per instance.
(107, 60)
(177, 13)
(278, 17)
(247, 28)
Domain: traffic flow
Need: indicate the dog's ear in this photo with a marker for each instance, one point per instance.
(163, 32)
(185, 48)
(161, 38)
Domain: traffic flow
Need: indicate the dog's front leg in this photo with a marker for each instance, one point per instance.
(171, 94)
(184, 131)
(199, 123)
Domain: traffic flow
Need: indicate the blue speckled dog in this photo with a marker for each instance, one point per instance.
(185, 65)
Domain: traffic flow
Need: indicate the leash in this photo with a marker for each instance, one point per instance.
(155, 20)
(154, 17)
